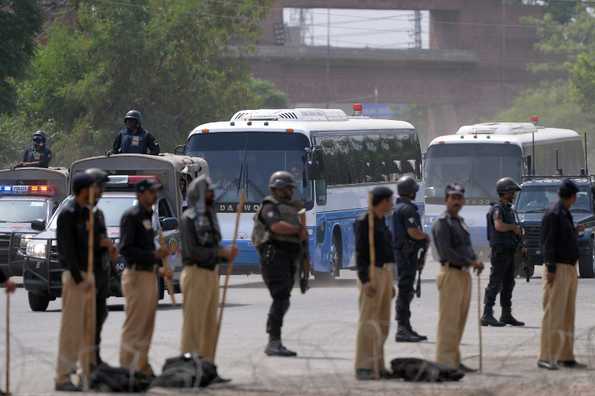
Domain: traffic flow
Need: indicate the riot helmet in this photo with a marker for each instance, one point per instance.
(507, 185)
(281, 179)
(39, 137)
(407, 186)
(134, 115)
(99, 175)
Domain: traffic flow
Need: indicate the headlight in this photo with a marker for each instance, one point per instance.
(24, 241)
(37, 249)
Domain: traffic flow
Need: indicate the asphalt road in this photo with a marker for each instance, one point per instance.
(321, 326)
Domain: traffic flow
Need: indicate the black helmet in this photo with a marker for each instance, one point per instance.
(567, 189)
(134, 115)
(39, 135)
(281, 179)
(99, 175)
(407, 186)
(506, 185)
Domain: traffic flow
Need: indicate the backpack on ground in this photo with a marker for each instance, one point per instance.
(186, 371)
(420, 370)
(110, 379)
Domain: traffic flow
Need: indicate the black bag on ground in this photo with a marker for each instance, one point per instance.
(186, 371)
(106, 378)
(419, 370)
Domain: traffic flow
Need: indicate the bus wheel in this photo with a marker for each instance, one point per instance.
(38, 302)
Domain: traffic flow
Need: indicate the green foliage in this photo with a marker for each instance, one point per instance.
(269, 96)
(20, 22)
(169, 59)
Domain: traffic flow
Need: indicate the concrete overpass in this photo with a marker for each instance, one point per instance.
(476, 63)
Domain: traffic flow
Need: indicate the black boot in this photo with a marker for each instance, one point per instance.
(276, 348)
(415, 333)
(406, 335)
(488, 318)
(507, 318)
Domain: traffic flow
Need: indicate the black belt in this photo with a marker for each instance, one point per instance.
(143, 268)
(449, 265)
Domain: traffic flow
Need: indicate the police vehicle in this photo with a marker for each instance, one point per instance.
(28, 198)
(42, 272)
(335, 159)
(536, 195)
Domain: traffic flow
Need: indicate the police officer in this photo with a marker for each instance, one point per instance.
(456, 255)
(278, 235)
(102, 269)
(72, 243)
(38, 155)
(409, 238)
(201, 255)
(376, 293)
(139, 283)
(560, 254)
(134, 138)
(504, 235)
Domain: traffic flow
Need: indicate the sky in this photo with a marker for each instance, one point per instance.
(359, 28)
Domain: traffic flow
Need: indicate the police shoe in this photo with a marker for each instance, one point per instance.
(508, 319)
(573, 364)
(466, 370)
(276, 348)
(544, 364)
(415, 333)
(220, 380)
(67, 387)
(489, 320)
(406, 335)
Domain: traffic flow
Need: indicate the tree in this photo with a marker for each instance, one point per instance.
(168, 59)
(20, 22)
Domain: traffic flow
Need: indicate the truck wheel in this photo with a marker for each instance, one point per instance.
(38, 302)
(585, 266)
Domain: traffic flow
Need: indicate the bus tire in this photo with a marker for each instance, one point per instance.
(585, 266)
(336, 253)
(38, 302)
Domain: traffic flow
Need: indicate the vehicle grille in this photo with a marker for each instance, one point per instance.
(5, 242)
(54, 254)
(533, 236)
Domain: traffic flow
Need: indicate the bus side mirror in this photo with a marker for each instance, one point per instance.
(315, 164)
(180, 149)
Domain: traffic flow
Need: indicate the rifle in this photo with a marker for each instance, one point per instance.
(421, 262)
(305, 259)
(168, 283)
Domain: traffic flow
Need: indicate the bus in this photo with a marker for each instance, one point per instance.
(478, 155)
(334, 158)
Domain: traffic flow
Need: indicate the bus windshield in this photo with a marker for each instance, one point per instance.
(476, 166)
(536, 199)
(245, 161)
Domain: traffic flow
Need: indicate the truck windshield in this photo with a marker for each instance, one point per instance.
(536, 199)
(112, 207)
(22, 211)
(476, 166)
(245, 161)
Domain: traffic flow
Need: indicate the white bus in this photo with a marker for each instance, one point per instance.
(478, 155)
(335, 159)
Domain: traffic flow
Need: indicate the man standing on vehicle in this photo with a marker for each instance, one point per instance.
(72, 243)
(409, 238)
(278, 235)
(559, 238)
(375, 294)
(504, 234)
(37, 155)
(456, 255)
(139, 283)
(201, 254)
(134, 139)
(102, 267)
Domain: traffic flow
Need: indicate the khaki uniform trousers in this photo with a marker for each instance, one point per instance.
(374, 321)
(200, 288)
(557, 326)
(140, 291)
(454, 293)
(77, 329)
